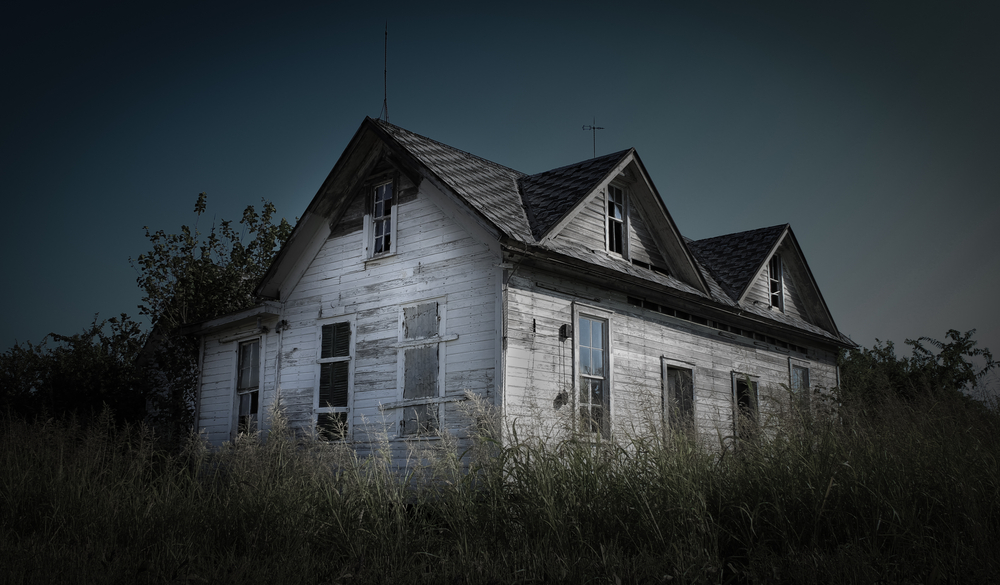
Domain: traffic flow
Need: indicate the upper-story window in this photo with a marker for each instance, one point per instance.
(617, 228)
(381, 219)
(777, 287)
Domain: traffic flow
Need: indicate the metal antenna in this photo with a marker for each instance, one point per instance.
(385, 75)
(594, 128)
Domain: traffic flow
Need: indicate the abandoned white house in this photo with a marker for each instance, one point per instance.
(420, 273)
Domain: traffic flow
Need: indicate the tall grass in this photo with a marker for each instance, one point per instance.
(910, 494)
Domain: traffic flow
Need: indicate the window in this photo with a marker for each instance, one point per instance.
(248, 387)
(617, 230)
(745, 407)
(381, 220)
(594, 370)
(420, 362)
(774, 277)
(678, 397)
(333, 392)
(799, 381)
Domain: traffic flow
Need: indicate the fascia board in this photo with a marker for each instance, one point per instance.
(700, 283)
(311, 221)
(267, 309)
(582, 271)
(812, 281)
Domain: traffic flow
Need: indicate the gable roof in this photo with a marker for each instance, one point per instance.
(734, 259)
(529, 209)
(490, 188)
(550, 195)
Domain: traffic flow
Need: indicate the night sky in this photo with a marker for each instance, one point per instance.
(873, 129)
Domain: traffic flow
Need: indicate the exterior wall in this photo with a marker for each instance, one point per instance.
(217, 404)
(435, 259)
(540, 365)
(760, 291)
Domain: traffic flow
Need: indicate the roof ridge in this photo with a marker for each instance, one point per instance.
(618, 154)
(519, 174)
(780, 225)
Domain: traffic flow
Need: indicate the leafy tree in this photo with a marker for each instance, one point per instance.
(189, 277)
(80, 374)
(867, 376)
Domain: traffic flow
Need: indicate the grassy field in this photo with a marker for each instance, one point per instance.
(910, 494)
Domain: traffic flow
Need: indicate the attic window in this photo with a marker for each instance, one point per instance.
(774, 277)
(381, 219)
(617, 230)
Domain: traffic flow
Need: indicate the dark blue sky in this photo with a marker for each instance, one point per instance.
(872, 128)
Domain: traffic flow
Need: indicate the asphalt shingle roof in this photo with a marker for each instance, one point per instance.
(490, 188)
(549, 196)
(733, 259)
(525, 207)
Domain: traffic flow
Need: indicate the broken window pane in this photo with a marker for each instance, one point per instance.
(680, 396)
(421, 419)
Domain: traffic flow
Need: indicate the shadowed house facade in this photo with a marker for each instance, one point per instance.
(421, 275)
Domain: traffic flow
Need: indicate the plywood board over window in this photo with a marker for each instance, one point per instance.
(420, 360)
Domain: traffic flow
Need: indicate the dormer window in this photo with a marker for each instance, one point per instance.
(617, 230)
(777, 288)
(381, 218)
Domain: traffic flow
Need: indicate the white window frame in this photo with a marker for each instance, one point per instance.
(234, 428)
(580, 310)
(624, 253)
(803, 398)
(317, 408)
(403, 344)
(779, 281)
(665, 365)
(755, 381)
(370, 219)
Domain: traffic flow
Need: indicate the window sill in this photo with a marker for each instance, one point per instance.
(376, 260)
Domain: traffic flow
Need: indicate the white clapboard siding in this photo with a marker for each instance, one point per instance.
(539, 365)
(588, 230)
(760, 291)
(435, 257)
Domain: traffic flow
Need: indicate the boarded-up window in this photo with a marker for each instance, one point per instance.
(679, 398)
(332, 420)
(421, 370)
(248, 386)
